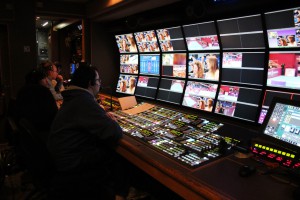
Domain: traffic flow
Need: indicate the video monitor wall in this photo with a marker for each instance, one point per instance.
(126, 43)
(126, 84)
(200, 95)
(204, 66)
(171, 39)
(150, 64)
(170, 90)
(283, 28)
(238, 102)
(174, 64)
(243, 67)
(147, 86)
(242, 33)
(202, 36)
(129, 63)
(147, 41)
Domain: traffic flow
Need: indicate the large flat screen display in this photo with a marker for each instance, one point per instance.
(171, 39)
(129, 63)
(204, 66)
(147, 41)
(170, 90)
(202, 36)
(200, 95)
(126, 84)
(174, 64)
(284, 70)
(147, 86)
(126, 43)
(150, 64)
(283, 28)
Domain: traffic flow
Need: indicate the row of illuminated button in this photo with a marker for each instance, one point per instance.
(274, 150)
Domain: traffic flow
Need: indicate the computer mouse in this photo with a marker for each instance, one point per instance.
(246, 170)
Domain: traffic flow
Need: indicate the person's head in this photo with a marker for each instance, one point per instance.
(36, 77)
(202, 104)
(148, 37)
(209, 102)
(50, 69)
(132, 82)
(131, 40)
(291, 38)
(123, 85)
(166, 32)
(298, 17)
(164, 47)
(283, 42)
(87, 77)
(198, 69)
(212, 63)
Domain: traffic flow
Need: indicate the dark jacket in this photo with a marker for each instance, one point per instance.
(82, 135)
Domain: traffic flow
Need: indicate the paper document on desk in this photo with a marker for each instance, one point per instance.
(138, 109)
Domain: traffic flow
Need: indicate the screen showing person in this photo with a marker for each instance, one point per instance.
(129, 63)
(283, 28)
(204, 66)
(283, 70)
(126, 43)
(126, 84)
(147, 86)
(171, 39)
(170, 90)
(174, 65)
(147, 41)
(202, 36)
(150, 64)
(200, 95)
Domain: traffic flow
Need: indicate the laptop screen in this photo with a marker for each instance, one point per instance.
(283, 121)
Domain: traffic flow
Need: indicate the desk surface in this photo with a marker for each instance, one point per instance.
(216, 180)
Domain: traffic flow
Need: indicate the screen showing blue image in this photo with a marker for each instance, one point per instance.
(150, 64)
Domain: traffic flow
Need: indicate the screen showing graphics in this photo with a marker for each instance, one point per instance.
(149, 64)
(171, 39)
(174, 64)
(283, 122)
(201, 36)
(204, 66)
(200, 95)
(129, 63)
(238, 102)
(284, 70)
(170, 90)
(242, 33)
(126, 84)
(147, 86)
(244, 68)
(147, 41)
(283, 28)
(126, 43)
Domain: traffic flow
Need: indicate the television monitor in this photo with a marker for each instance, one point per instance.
(174, 64)
(204, 66)
(282, 123)
(170, 90)
(126, 84)
(283, 28)
(238, 102)
(202, 36)
(150, 64)
(171, 39)
(147, 41)
(200, 95)
(242, 33)
(243, 67)
(126, 43)
(284, 70)
(147, 86)
(129, 63)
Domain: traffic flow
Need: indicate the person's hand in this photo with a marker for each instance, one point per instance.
(110, 115)
(59, 77)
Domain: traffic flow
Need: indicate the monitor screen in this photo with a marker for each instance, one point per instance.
(126, 43)
(283, 121)
(284, 70)
(129, 63)
(200, 95)
(283, 28)
(126, 84)
(174, 64)
(170, 90)
(171, 39)
(202, 36)
(147, 86)
(238, 102)
(147, 41)
(149, 64)
(242, 33)
(243, 67)
(204, 66)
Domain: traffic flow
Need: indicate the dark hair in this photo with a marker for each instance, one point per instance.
(34, 76)
(46, 66)
(84, 75)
